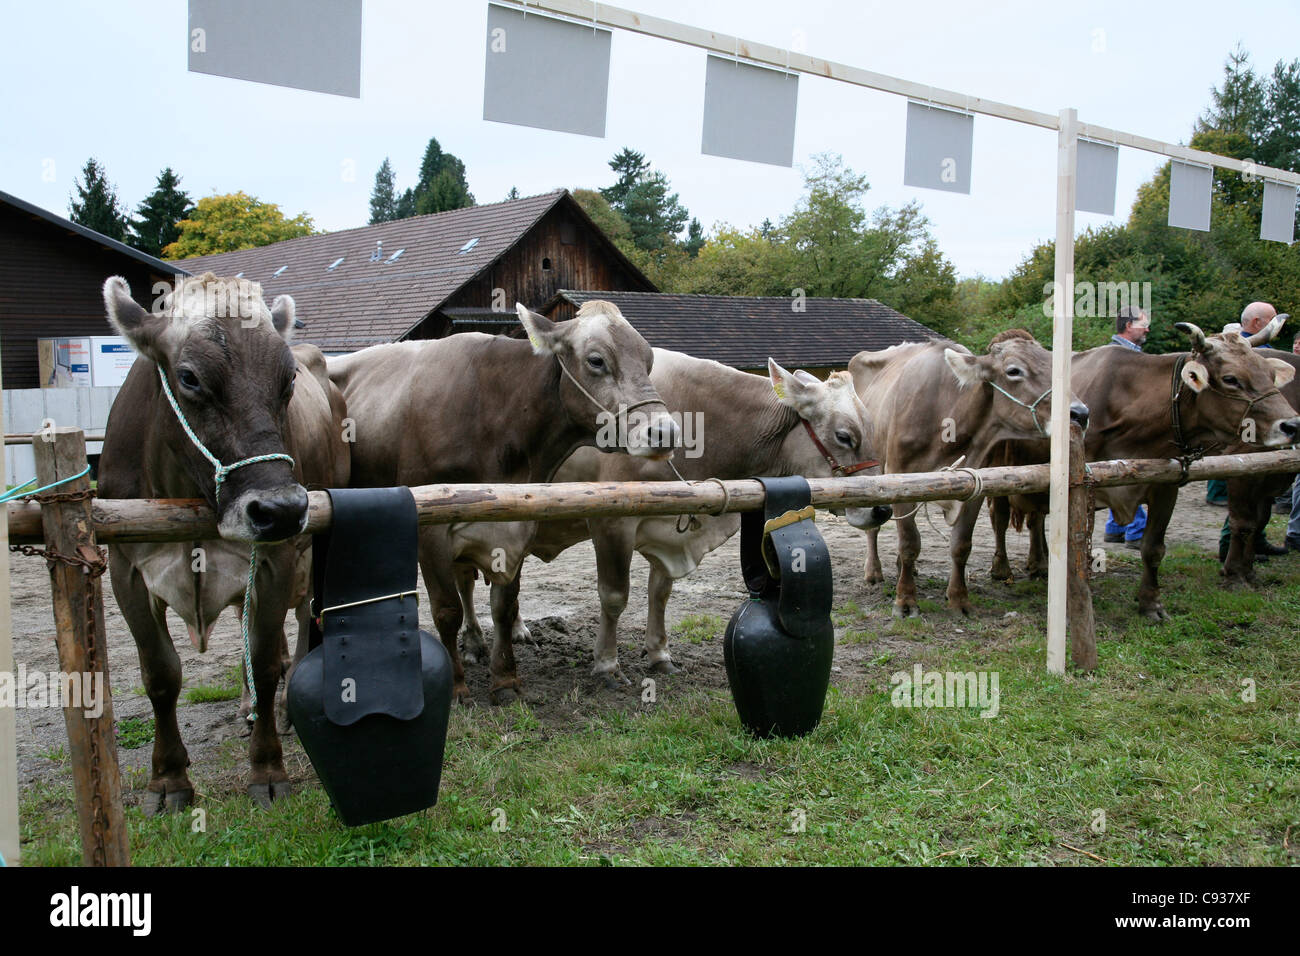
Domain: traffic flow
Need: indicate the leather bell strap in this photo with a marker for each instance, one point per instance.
(783, 557)
(365, 615)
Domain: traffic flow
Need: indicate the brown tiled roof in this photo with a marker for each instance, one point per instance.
(360, 302)
(743, 331)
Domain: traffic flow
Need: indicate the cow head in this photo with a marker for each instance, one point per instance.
(1233, 383)
(227, 362)
(838, 418)
(604, 367)
(1020, 373)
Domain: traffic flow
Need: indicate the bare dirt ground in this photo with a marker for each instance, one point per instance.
(560, 607)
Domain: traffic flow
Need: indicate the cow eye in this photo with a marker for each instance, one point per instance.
(596, 362)
(1231, 380)
(288, 389)
(845, 438)
(189, 381)
(1013, 372)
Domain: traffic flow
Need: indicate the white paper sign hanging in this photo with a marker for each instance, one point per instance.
(749, 112)
(939, 146)
(1278, 220)
(1189, 196)
(545, 73)
(302, 44)
(1095, 177)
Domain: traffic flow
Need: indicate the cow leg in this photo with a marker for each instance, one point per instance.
(1036, 563)
(872, 573)
(160, 669)
(444, 601)
(302, 614)
(656, 631)
(268, 781)
(505, 615)
(1000, 518)
(909, 547)
(471, 632)
(1160, 508)
(959, 550)
(613, 540)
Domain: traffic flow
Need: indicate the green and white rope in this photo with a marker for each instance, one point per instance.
(221, 471)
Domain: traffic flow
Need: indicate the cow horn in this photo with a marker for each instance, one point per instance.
(1198, 337)
(1268, 332)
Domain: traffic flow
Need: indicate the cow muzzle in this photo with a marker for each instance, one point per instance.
(653, 435)
(1079, 414)
(1285, 432)
(265, 515)
(864, 519)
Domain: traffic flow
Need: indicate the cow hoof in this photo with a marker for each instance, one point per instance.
(664, 667)
(1157, 614)
(910, 610)
(166, 801)
(1037, 574)
(499, 693)
(963, 606)
(1001, 571)
(874, 578)
(614, 680)
(521, 635)
(264, 794)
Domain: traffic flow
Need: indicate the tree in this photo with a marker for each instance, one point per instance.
(630, 166)
(442, 183)
(383, 198)
(96, 205)
(513, 194)
(234, 221)
(644, 200)
(694, 238)
(604, 216)
(406, 205)
(155, 224)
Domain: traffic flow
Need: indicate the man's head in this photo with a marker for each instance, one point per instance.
(1132, 324)
(1255, 316)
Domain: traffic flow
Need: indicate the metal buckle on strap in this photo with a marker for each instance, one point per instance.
(373, 600)
(789, 518)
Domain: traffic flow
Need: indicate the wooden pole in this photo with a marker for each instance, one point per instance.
(83, 648)
(1067, 154)
(142, 519)
(1083, 625)
(8, 730)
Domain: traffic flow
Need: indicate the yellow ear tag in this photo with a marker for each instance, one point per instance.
(532, 340)
(779, 388)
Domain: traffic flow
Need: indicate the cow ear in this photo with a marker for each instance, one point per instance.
(543, 334)
(796, 390)
(1283, 372)
(142, 328)
(969, 369)
(282, 316)
(1195, 376)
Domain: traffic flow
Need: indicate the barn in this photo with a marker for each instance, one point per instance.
(430, 276)
(818, 334)
(52, 271)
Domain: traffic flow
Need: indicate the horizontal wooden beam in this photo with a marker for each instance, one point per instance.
(138, 520)
(605, 15)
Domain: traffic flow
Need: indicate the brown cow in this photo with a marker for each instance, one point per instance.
(1221, 382)
(478, 408)
(930, 409)
(244, 393)
(747, 426)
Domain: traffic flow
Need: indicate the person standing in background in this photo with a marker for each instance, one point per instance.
(1131, 328)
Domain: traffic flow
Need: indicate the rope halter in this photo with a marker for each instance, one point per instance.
(1032, 406)
(220, 473)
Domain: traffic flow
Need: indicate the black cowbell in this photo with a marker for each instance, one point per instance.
(779, 644)
(371, 700)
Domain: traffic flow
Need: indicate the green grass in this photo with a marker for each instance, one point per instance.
(1158, 738)
(135, 732)
(229, 688)
(698, 628)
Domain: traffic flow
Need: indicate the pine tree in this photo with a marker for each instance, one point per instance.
(406, 205)
(99, 208)
(383, 198)
(156, 217)
(630, 166)
(513, 194)
(442, 183)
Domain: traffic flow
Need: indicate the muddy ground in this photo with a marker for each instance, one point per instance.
(560, 607)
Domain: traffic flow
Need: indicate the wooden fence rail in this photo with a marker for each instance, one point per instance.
(135, 520)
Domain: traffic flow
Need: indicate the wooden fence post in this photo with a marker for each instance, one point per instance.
(83, 647)
(1083, 628)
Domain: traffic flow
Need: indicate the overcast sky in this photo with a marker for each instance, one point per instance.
(110, 80)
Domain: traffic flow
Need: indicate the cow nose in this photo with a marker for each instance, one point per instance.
(1290, 428)
(1079, 414)
(881, 513)
(274, 517)
(664, 433)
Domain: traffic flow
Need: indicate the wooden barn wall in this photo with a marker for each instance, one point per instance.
(582, 263)
(50, 286)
